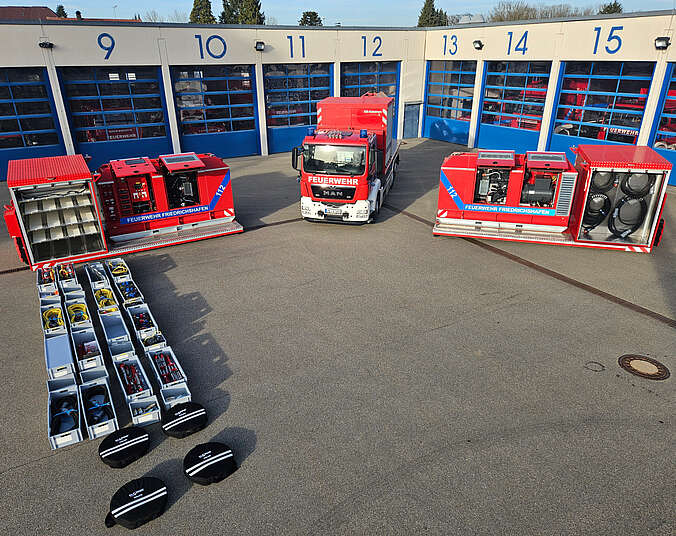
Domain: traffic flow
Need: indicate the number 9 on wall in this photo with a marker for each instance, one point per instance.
(106, 43)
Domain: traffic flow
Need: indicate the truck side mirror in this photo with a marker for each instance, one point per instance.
(294, 158)
(378, 163)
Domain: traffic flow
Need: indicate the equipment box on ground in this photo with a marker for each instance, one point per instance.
(58, 357)
(105, 299)
(77, 312)
(154, 342)
(53, 322)
(97, 405)
(142, 320)
(133, 379)
(46, 280)
(114, 327)
(118, 269)
(96, 274)
(87, 349)
(175, 394)
(94, 373)
(64, 419)
(144, 410)
(168, 370)
(129, 292)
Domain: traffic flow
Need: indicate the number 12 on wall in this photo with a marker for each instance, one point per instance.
(302, 45)
(377, 40)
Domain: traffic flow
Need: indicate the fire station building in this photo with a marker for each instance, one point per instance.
(114, 90)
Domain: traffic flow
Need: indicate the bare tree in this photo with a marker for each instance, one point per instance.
(522, 10)
(155, 16)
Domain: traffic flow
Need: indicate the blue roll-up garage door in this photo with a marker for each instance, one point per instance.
(512, 104)
(116, 112)
(29, 127)
(291, 95)
(602, 102)
(663, 135)
(357, 78)
(216, 109)
(448, 100)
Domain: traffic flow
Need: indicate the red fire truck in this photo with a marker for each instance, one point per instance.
(61, 212)
(613, 198)
(348, 163)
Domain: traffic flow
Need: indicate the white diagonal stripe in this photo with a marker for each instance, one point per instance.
(147, 500)
(197, 468)
(184, 418)
(124, 445)
(117, 510)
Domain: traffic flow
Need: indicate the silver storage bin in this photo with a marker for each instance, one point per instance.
(128, 292)
(144, 410)
(138, 312)
(154, 342)
(96, 274)
(48, 284)
(77, 312)
(87, 349)
(118, 269)
(105, 299)
(66, 274)
(58, 357)
(114, 327)
(166, 366)
(58, 326)
(59, 389)
(131, 368)
(106, 425)
(93, 374)
(175, 394)
(121, 350)
(69, 287)
(49, 297)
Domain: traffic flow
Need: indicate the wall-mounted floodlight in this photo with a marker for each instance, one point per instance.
(47, 44)
(661, 43)
(259, 46)
(478, 44)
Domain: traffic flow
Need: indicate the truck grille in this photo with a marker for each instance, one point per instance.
(565, 194)
(333, 192)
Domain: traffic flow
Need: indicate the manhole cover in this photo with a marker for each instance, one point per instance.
(645, 367)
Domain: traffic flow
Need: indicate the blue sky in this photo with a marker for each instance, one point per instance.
(347, 12)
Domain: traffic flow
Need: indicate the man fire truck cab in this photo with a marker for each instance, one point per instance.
(347, 163)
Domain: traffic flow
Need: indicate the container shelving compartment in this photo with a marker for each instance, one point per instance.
(97, 406)
(58, 215)
(59, 357)
(97, 276)
(52, 319)
(133, 379)
(166, 366)
(142, 321)
(87, 349)
(175, 394)
(77, 312)
(63, 398)
(118, 269)
(145, 410)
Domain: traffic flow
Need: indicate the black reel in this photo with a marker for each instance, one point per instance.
(598, 207)
(628, 225)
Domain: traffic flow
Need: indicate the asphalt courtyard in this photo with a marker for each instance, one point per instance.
(375, 379)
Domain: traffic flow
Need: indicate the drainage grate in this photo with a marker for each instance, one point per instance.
(643, 366)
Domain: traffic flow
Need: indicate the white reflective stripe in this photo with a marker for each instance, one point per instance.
(145, 498)
(197, 468)
(385, 111)
(461, 168)
(184, 418)
(124, 445)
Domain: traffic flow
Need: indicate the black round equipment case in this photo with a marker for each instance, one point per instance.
(124, 446)
(137, 502)
(184, 419)
(209, 462)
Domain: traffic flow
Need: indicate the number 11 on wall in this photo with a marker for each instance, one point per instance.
(302, 45)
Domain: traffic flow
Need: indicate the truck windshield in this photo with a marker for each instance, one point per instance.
(334, 159)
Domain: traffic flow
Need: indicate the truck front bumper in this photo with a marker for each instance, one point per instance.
(357, 212)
